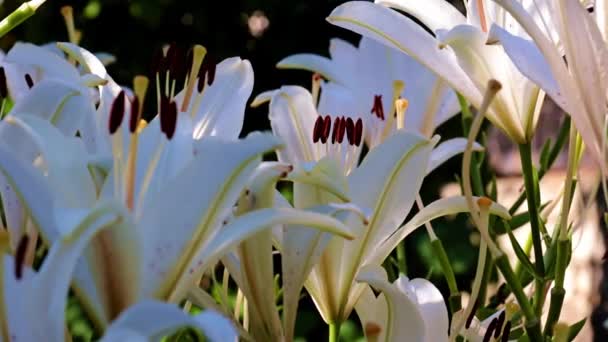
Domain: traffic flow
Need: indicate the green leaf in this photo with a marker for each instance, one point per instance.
(576, 328)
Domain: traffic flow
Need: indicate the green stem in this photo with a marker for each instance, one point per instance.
(334, 331)
(18, 16)
(448, 273)
(532, 323)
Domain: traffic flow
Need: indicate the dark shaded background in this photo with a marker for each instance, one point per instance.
(133, 30)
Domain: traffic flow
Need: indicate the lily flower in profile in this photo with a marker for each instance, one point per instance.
(418, 300)
(370, 78)
(577, 86)
(468, 63)
(328, 265)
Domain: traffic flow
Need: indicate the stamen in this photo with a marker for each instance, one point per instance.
(206, 72)
(68, 16)
(389, 126)
(5, 245)
(29, 81)
(20, 256)
(317, 131)
(469, 320)
(198, 54)
(326, 129)
(358, 132)
(350, 131)
(341, 130)
(401, 106)
(171, 120)
(490, 331)
(3, 85)
(164, 107)
(134, 119)
(499, 322)
(506, 332)
(316, 87)
(117, 112)
(334, 133)
(482, 16)
(378, 108)
(140, 87)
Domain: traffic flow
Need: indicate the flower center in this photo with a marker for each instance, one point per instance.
(381, 125)
(346, 151)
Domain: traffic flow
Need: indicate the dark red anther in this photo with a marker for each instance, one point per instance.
(29, 81)
(499, 323)
(378, 108)
(134, 119)
(326, 129)
(358, 132)
(334, 131)
(207, 68)
(490, 331)
(20, 256)
(117, 112)
(506, 332)
(170, 120)
(341, 130)
(164, 107)
(469, 320)
(3, 85)
(317, 131)
(350, 131)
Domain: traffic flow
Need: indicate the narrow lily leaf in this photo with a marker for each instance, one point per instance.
(393, 29)
(399, 305)
(196, 209)
(434, 14)
(521, 254)
(442, 207)
(152, 321)
(245, 226)
(314, 63)
(50, 63)
(447, 150)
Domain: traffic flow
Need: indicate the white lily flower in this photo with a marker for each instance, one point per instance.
(251, 265)
(41, 296)
(376, 186)
(368, 79)
(414, 310)
(468, 64)
(577, 86)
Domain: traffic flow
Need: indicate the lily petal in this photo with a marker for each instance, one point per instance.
(151, 320)
(50, 63)
(196, 209)
(399, 307)
(395, 30)
(313, 63)
(447, 150)
(434, 14)
(442, 207)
